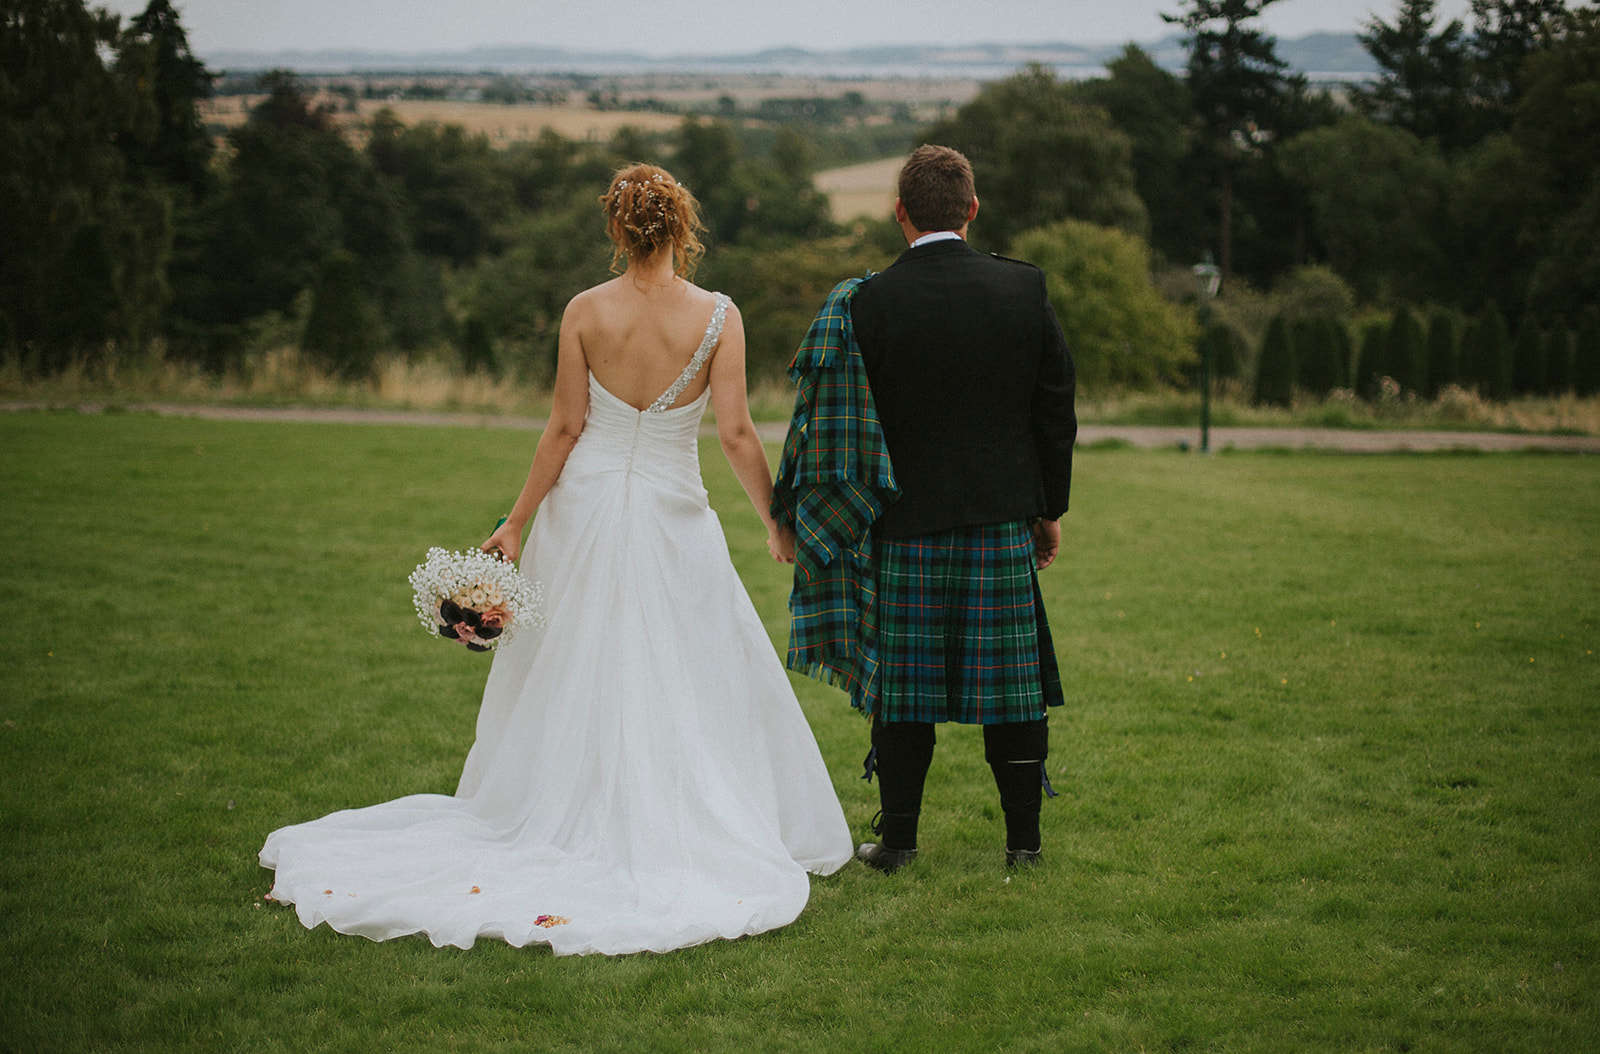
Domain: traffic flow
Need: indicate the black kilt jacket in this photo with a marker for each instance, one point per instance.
(973, 386)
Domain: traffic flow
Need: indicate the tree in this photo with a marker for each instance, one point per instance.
(1378, 200)
(1372, 365)
(1276, 367)
(1405, 355)
(778, 288)
(1422, 88)
(1315, 290)
(1527, 359)
(1504, 34)
(1586, 353)
(1152, 107)
(456, 192)
(1558, 359)
(1322, 357)
(1227, 351)
(1040, 156)
(83, 241)
(1122, 331)
(1486, 355)
(1239, 86)
(179, 151)
(1443, 363)
(294, 192)
(551, 256)
(342, 329)
(1557, 129)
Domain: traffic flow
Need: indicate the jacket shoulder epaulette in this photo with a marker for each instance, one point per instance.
(1009, 259)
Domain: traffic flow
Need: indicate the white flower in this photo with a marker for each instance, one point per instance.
(477, 580)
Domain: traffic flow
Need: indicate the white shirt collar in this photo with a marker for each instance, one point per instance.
(936, 236)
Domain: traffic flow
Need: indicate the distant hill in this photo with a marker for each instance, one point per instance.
(1321, 55)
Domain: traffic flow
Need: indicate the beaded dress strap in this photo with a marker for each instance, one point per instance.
(719, 315)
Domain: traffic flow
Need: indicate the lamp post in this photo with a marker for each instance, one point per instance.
(1209, 277)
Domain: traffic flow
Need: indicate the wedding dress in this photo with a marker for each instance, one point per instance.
(643, 778)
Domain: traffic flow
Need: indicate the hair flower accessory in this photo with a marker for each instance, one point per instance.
(474, 598)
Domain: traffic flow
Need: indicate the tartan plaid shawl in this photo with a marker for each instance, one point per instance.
(834, 480)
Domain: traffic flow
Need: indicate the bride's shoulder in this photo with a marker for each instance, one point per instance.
(707, 298)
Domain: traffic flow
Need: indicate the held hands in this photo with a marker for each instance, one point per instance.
(781, 543)
(505, 538)
(1046, 542)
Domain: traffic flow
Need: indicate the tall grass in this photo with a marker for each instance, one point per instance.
(1326, 772)
(436, 383)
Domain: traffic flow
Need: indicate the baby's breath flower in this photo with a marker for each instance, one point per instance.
(476, 580)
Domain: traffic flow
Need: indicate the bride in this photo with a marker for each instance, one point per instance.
(643, 778)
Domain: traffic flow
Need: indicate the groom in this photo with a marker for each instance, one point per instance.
(972, 386)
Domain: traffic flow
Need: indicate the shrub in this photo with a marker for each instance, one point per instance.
(341, 333)
(1443, 364)
(1558, 359)
(1486, 355)
(1120, 329)
(1527, 359)
(1586, 353)
(1404, 354)
(1372, 365)
(477, 349)
(1275, 371)
(1320, 356)
(1228, 350)
(1315, 291)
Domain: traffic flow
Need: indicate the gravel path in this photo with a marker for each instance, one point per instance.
(1149, 438)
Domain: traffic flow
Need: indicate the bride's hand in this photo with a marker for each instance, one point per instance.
(506, 539)
(780, 543)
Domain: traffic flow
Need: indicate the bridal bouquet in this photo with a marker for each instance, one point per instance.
(474, 597)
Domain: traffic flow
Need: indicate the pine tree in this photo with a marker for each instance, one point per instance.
(1558, 359)
(1404, 353)
(1586, 353)
(1486, 356)
(1227, 350)
(1527, 359)
(1317, 351)
(1275, 371)
(1240, 89)
(1372, 364)
(179, 148)
(1422, 88)
(1443, 364)
(477, 349)
(342, 329)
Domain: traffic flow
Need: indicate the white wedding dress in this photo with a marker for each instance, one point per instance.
(643, 778)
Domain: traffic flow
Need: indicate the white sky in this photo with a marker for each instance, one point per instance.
(672, 27)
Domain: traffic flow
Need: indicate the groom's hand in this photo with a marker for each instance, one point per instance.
(1046, 542)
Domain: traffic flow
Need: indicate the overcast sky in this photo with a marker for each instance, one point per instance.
(667, 27)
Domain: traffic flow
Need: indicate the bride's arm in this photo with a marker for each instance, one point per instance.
(740, 443)
(568, 409)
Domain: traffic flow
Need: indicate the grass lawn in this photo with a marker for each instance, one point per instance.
(1329, 774)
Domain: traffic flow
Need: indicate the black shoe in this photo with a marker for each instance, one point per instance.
(886, 860)
(1016, 858)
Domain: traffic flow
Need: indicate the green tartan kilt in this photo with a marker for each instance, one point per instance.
(961, 629)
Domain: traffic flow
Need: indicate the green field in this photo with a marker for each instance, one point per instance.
(1329, 772)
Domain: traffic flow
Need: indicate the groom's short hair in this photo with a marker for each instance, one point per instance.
(936, 188)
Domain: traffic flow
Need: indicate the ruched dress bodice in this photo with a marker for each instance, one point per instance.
(658, 448)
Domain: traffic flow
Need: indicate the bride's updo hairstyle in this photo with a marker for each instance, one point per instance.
(647, 211)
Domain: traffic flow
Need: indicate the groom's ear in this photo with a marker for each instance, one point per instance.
(900, 213)
(972, 210)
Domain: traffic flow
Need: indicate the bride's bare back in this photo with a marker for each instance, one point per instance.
(634, 335)
(638, 335)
